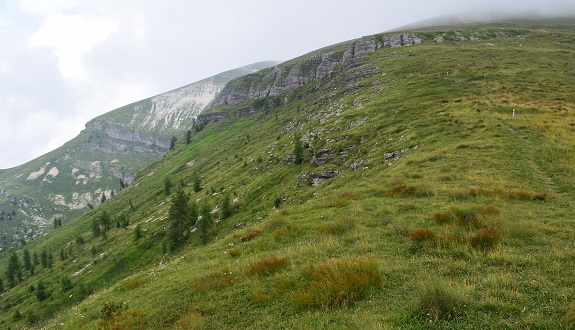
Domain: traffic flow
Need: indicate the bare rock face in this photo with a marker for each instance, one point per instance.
(400, 39)
(328, 62)
(363, 46)
(285, 78)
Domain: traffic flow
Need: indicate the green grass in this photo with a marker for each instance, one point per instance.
(469, 226)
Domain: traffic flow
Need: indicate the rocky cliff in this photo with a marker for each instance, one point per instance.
(289, 76)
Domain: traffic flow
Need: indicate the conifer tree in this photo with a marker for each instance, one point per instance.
(27, 261)
(14, 270)
(179, 218)
(226, 207)
(205, 223)
(298, 149)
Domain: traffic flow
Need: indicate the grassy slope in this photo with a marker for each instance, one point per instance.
(450, 104)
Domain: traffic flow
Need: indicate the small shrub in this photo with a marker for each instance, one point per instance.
(215, 281)
(485, 238)
(440, 302)
(267, 266)
(336, 282)
(337, 227)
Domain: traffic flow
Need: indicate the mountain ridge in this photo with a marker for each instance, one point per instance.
(91, 167)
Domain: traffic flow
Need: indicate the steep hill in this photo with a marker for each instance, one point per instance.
(420, 183)
(114, 146)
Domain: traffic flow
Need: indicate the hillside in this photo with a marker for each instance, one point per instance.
(66, 182)
(415, 179)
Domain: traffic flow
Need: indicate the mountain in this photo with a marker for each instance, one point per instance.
(101, 159)
(412, 179)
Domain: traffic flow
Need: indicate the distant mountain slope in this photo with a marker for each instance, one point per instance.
(113, 147)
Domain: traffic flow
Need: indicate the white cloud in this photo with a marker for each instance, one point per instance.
(70, 37)
(46, 7)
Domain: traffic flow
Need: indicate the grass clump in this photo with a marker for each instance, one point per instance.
(336, 282)
(267, 265)
(485, 238)
(569, 317)
(402, 190)
(215, 281)
(439, 301)
(513, 194)
(337, 227)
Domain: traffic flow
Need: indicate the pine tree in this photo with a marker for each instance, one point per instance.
(13, 272)
(173, 142)
(179, 218)
(105, 220)
(188, 136)
(27, 261)
(167, 186)
(205, 223)
(298, 149)
(226, 207)
(41, 293)
(95, 228)
(197, 184)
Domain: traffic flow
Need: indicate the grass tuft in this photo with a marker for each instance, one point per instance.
(403, 190)
(337, 227)
(215, 281)
(336, 282)
(486, 238)
(250, 235)
(439, 301)
(267, 265)
(569, 317)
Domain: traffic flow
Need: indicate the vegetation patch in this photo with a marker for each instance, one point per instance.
(485, 238)
(403, 190)
(336, 282)
(267, 265)
(337, 227)
(215, 281)
(439, 301)
(518, 194)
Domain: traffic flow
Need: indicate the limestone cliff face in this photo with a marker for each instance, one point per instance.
(289, 76)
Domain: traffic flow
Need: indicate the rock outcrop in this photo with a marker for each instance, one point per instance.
(287, 77)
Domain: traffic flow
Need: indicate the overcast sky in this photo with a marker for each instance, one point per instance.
(63, 62)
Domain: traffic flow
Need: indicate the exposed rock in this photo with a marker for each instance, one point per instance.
(328, 62)
(319, 177)
(363, 46)
(211, 117)
(400, 39)
(438, 39)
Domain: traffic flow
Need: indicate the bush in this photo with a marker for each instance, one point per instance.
(267, 266)
(486, 238)
(440, 302)
(336, 282)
